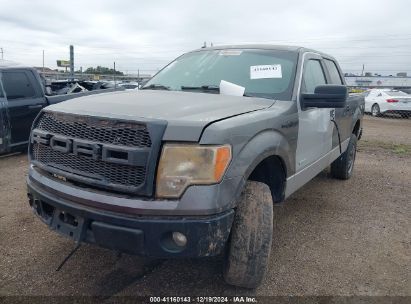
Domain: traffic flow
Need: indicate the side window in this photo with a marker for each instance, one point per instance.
(17, 85)
(1, 89)
(333, 71)
(313, 76)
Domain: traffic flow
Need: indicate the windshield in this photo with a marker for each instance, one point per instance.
(263, 73)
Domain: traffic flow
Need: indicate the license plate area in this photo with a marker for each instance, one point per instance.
(68, 224)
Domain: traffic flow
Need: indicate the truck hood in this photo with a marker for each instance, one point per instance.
(186, 113)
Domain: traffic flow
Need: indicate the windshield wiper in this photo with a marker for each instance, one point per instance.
(156, 87)
(201, 88)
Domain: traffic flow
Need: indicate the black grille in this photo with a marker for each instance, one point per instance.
(107, 173)
(135, 177)
(96, 129)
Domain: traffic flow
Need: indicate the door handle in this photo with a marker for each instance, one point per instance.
(38, 106)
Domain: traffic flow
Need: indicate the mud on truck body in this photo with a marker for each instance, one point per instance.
(188, 168)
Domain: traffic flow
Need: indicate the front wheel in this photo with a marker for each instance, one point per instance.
(249, 248)
(343, 166)
(375, 110)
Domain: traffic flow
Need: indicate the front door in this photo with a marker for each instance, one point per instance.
(315, 126)
(25, 100)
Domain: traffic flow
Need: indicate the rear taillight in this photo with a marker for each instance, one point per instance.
(392, 100)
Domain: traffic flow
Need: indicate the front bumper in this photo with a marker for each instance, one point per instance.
(200, 200)
(141, 235)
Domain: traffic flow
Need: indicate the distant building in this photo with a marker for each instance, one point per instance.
(379, 81)
(45, 69)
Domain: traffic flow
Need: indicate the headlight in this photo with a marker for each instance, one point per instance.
(182, 165)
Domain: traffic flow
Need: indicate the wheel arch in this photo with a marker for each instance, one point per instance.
(271, 171)
(268, 158)
(357, 128)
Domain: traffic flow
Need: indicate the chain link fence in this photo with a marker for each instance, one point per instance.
(387, 103)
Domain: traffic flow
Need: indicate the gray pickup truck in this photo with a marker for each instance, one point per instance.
(191, 165)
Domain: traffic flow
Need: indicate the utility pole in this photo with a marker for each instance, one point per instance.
(114, 77)
(1, 50)
(71, 62)
(43, 61)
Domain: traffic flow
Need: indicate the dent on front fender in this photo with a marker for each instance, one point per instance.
(252, 140)
(261, 146)
(255, 137)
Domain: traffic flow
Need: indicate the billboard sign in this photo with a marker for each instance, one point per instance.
(63, 63)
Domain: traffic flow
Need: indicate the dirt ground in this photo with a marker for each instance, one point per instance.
(331, 238)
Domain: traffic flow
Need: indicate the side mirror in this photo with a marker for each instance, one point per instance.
(325, 96)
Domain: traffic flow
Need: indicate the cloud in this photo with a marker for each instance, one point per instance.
(149, 34)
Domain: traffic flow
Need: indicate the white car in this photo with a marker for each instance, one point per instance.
(384, 101)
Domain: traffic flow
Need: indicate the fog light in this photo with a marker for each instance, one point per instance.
(180, 239)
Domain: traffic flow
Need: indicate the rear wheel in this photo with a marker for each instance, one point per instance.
(249, 247)
(343, 166)
(375, 110)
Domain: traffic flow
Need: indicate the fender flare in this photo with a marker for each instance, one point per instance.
(262, 145)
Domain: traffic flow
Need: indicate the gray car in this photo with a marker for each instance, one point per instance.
(191, 164)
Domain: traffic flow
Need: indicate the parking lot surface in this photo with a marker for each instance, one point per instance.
(331, 238)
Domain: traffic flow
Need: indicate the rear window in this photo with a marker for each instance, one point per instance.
(17, 85)
(1, 89)
(397, 93)
(333, 71)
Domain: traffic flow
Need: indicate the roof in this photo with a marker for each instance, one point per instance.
(6, 64)
(290, 48)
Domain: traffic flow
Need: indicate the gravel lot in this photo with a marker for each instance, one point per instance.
(331, 238)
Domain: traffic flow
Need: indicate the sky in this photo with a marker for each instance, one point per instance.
(145, 35)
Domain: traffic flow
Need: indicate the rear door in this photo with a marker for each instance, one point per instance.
(3, 119)
(25, 100)
(343, 116)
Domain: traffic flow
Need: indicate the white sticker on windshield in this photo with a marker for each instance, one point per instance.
(265, 71)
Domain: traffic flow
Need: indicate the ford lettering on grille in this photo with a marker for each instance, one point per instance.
(107, 153)
(110, 154)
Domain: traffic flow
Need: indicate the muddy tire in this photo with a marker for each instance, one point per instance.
(343, 166)
(249, 247)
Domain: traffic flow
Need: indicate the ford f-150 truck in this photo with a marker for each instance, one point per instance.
(191, 164)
